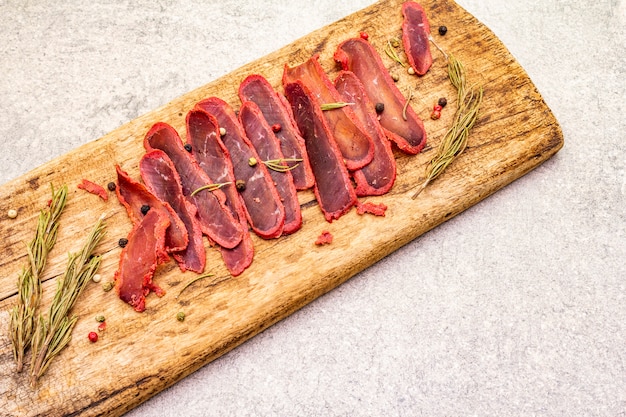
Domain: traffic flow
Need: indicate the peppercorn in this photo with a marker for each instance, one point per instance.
(276, 128)
(435, 115)
(99, 319)
(395, 77)
(252, 161)
(411, 71)
(442, 102)
(93, 337)
(180, 316)
(364, 35)
(12, 213)
(443, 30)
(122, 242)
(111, 186)
(437, 107)
(102, 326)
(222, 131)
(145, 209)
(188, 147)
(96, 278)
(107, 286)
(379, 107)
(240, 185)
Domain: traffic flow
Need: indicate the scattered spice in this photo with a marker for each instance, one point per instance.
(210, 187)
(107, 286)
(122, 242)
(364, 35)
(100, 319)
(442, 102)
(324, 239)
(443, 30)
(276, 127)
(380, 107)
(145, 209)
(222, 131)
(395, 77)
(93, 337)
(411, 71)
(240, 184)
(198, 278)
(97, 278)
(12, 213)
(24, 315)
(252, 161)
(391, 52)
(180, 316)
(332, 106)
(102, 326)
(111, 186)
(188, 147)
(436, 113)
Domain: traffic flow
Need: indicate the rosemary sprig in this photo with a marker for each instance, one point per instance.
(23, 315)
(54, 332)
(455, 139)
(406, 104)
(391, 52)
(332, 106)
(210, 187)
(198, 278)
(281, 164)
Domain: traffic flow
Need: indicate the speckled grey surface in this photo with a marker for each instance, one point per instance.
(517, 307)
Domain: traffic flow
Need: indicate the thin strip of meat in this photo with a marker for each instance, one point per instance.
(93, 188)
(264, 210)
(268, 148)
(277, 113)
(139, 259)
(356, 146)
(415, 37)
(214, 159)
(358, 56)
(333, 189)
(216, 221)
(161, 178)
(378, 176)
(134, 196)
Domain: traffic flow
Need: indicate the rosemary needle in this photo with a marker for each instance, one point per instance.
(210, 187)
(333, 106)
(198, 278)
(23, 315)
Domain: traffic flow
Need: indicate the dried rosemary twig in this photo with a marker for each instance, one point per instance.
(198, 278)
(54, 332)
(455, 139)
(333, 106)
(23, 315)
(209, 187)
(281, 165)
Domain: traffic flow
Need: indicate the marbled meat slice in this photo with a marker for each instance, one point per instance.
(333, 189)
(358, 56)
(161, 178)
(356, 146)
(133, 195)
(139, 259)
(378, 176)
(214, 159)
(216, 221)
(415, 37)
(277, 113)
(262, 204)
(267, 147)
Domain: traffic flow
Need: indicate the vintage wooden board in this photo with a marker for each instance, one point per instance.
(141, 354)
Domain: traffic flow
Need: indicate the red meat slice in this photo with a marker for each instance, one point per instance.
(93, 188)
(415, 37)
(216, 221)
(134, 195)
(277, 112)
(267, 147)
(139, 259)
(161, 178)
(333, 189)
(356, 146)
(358, 56)
(214, 159)
(262, 204)
(378, 176)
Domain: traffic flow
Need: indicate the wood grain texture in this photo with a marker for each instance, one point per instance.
(141, 354)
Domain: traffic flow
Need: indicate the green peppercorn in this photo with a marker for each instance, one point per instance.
(100, 319)
(107, 286)
(180, 316)
(252, 161)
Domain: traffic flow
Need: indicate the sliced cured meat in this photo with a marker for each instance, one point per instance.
(262, 204)
(216, 221)
(358, 56)
(378, 176)
(356, 146)
(93, 188)
(135, 196)
(415, 37)
(277, 113)
(214, 159)
(333, 189)
(139, 259)
(161, 178)
(267, 147)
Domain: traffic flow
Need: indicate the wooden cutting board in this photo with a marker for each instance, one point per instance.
(141, 354)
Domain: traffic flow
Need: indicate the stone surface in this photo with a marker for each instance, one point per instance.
(515, 307)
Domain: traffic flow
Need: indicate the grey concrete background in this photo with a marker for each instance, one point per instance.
(517, 307)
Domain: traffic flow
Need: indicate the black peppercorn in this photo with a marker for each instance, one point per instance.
(111, 186)
(379, 107)
(145, 209)
(443, 30)
(188, 147)
(240, 184)
(122, 242)
(442, 102)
